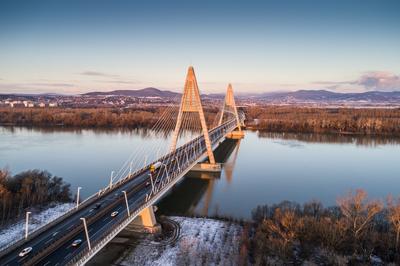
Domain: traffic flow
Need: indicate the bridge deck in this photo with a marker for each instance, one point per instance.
(53, 246)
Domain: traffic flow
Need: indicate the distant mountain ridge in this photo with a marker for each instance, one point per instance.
(329, 96)
(288, 97)
(146, 92)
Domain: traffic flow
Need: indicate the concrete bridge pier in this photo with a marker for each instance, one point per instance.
(236, 134)
(145, 222)
(207, 168)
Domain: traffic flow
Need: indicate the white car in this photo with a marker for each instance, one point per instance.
(25, 251)
(77, 242)
(113, 214)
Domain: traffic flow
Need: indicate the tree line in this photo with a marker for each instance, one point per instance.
(358, 231)
(144, 117)
(33, 188)
(292, 119)
(366, 121)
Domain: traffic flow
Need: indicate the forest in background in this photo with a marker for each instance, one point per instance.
(365, 121)
(291, 119)
(29, 189)
(87, 117)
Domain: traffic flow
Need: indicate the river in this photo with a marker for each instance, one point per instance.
(259, 169)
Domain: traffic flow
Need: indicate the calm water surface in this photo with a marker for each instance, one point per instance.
(261, 168)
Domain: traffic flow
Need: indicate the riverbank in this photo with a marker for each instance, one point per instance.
(354, 121)
(191, 241)
(202, 242)
(288, 119)
(38, 218)
(32, 189)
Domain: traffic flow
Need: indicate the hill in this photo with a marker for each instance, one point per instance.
(146, 92)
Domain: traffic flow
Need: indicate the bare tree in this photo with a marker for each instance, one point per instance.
(283, 225)
(358, 212)
(394, 216)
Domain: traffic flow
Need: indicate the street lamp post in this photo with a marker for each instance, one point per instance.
(152, 183)
(166, 170)
(111, 178)
(86, 232)
(26, 225)
(126, 201)
(77, 197)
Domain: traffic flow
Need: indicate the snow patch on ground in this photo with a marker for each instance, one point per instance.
(202, 242)
(17, 231)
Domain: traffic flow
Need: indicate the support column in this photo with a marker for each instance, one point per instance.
(191, 102)
(230, 105)
(145, 221)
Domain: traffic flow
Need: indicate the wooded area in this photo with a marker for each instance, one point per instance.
(33, 188)
(356, 232)
(87, 117)
(371, 121)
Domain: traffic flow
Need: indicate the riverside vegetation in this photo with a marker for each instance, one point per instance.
(357, 231)
(29, 189)
(364, 121)
(144, 117)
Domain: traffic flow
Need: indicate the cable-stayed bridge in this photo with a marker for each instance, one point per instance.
(137, 186)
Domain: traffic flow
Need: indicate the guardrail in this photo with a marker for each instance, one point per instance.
(90, 200)
(83, 256)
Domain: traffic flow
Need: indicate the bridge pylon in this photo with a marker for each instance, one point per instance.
(191, 102)
(230, 105)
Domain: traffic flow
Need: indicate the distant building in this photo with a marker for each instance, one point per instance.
(16, 104)
(53, 104)
(42, 105)
(28, 103)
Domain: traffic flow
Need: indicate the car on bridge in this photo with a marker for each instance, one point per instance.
(155, 166)
(113, 214)
(25, 251)
(76, 242)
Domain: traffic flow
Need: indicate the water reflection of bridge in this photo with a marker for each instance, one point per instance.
(199, 187)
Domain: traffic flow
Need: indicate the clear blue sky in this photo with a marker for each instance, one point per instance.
(76, 46)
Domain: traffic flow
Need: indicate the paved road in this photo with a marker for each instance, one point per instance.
(54, 246)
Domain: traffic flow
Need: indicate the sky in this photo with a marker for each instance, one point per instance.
(71, 46)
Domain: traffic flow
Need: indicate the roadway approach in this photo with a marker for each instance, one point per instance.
(54, 245)
(107, 213)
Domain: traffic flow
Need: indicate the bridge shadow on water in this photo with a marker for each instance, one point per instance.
(186, 196)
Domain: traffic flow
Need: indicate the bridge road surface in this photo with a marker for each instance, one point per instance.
(136, 189)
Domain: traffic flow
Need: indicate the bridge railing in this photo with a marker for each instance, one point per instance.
(90, 200)
(85, 254)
